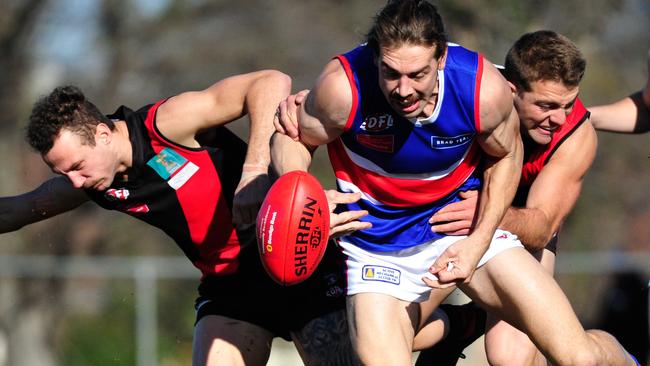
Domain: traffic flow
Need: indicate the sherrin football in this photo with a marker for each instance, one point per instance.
(293, 227)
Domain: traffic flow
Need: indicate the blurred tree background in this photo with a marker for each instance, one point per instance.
(134, 52)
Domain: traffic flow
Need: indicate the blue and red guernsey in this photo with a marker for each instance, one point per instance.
(536, 155)
(407, 169)
(186, 192)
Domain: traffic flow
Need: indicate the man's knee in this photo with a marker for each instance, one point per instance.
(219, 340)
(511, 352)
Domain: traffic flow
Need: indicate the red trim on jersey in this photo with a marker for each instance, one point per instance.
(400, 192)
(151, 118)
(355, 92)
(150, 122)
(477, 94)
(211, 228)
(542, 153)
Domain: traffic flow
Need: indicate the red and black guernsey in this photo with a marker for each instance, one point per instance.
(536, 155)
(186, 192)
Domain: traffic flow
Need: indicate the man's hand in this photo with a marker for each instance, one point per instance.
(456, 264)
(252, 188)
(456, 218)
(346, 222)
(286, 121)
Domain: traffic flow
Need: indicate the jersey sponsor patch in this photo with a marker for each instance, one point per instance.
(173, 167)
(166, 162)
(183, 175)
(380, 273)
(383, 143)
(441, 142)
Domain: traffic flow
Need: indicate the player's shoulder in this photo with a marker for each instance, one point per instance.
(332, 96)
(577, 149)
(495, 97)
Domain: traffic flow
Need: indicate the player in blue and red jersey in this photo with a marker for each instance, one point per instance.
(202, 189)
(408, 120)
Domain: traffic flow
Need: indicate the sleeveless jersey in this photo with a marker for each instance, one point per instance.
(536, 155)
(407, 169)
(186, 192)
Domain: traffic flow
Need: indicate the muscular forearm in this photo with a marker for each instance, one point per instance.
(262, 101)
(500, 185)
(628, 115)
(532, 227)
(288, 155)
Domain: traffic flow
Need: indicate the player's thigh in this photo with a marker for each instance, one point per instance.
(428, 307)
(516, 288)
(547, 259)
(219, 340)
(433, 325)
(507, 345)
(325, 341)
(382, 328)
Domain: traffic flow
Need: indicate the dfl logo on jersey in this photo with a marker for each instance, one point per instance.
(376, 123)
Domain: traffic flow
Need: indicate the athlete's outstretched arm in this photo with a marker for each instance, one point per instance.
(500, 140)
(256, 94)
(628, 115)
(51, 198)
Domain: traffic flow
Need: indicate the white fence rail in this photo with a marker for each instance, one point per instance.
(146, 271)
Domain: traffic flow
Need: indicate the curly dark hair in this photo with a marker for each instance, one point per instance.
(544, 55)
(66, 107)
(414, 22)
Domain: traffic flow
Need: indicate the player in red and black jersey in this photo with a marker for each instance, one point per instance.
(544, 70)
(203, 190)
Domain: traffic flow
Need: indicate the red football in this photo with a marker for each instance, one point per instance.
(293, 227)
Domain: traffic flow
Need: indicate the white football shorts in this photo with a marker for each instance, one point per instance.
(399, 273)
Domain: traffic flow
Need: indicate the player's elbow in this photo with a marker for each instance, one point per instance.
(538, 242)
(277, 78)
(539, 239)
